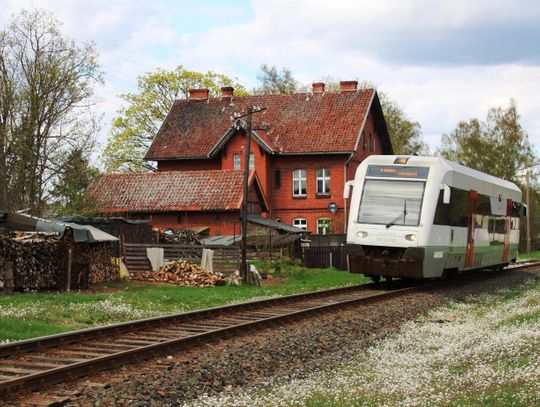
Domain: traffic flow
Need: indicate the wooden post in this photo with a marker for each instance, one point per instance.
(527, 177)
(68, 285)
(244, 272)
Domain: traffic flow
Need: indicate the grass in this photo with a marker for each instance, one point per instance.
(531, 255)
(35, 314)
(487, 352)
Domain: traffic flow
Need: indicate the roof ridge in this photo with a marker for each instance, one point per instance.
(336, 92)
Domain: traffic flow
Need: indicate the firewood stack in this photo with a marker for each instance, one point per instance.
(185, 274)
(6, 276)
(37, 261)
(180, 236)
(98, 257)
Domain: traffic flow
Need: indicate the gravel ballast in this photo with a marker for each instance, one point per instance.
(265, 356)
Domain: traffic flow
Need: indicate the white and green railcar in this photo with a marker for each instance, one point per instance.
(424, 217)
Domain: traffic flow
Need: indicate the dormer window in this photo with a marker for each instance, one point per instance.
(236, 161)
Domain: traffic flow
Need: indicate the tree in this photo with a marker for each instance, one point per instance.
(498, 146)
(274, 81)
(69, 188)
(45, 99)
(137, 123)
(405, 134)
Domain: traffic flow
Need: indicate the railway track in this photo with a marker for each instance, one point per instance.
(33, 363)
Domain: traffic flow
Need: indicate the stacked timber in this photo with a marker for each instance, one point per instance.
(179, 236)
(98, 258)
(37, 261)
(6, 276)
(185, 274)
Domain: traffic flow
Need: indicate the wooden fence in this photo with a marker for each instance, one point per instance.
(323, 257)
(226, 258)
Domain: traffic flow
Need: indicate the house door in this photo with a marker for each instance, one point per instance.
(469, 253)
(507, 228)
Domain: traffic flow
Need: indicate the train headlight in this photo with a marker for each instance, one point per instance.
(361, 234)
(411, 237)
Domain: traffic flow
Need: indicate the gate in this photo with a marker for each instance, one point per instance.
(323, 257)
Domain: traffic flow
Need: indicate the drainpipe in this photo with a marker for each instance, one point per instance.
(345, 220)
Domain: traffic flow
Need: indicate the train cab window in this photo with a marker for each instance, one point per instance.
(390, 202)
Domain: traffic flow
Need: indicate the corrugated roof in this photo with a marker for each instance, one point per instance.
(294, 124)
(210, 190)
(273, 224)
(81, 233)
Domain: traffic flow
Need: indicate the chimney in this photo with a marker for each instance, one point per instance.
(198, 94)
(318, 87)
(348, 86)
(227, 92)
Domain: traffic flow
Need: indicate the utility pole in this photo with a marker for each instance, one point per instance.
(527, 178)
(244, 270)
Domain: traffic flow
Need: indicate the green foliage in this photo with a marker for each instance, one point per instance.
(405, 134)
(137, 123)
(274, 81)
(69, 188)
(498, 146)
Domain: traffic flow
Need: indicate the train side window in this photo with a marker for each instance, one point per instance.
(516, 209)
(459, 208)
(442, 212)
(483, 205)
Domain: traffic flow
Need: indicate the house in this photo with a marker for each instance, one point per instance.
(304, 148)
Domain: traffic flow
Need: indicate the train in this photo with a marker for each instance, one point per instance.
(427, 217)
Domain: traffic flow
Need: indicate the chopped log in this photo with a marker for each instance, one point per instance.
(185, 274)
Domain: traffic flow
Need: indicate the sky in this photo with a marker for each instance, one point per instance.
(441, 61)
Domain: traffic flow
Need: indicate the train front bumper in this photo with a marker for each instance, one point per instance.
(385, 261)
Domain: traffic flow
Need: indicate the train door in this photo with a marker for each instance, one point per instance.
(507, 228)
(469, 253)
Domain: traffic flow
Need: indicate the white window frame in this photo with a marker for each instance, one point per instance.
(236, 161)
(323, 175)
(299, 178)
(300, 223)
(326, 227)
(251, 161)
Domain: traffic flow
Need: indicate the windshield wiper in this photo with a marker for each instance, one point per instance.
(404, 215)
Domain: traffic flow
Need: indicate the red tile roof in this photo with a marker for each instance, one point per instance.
(217, 190)
(299, 123)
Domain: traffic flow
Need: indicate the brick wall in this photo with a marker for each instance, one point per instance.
(286, 207)
(235, 145)
(220, 223)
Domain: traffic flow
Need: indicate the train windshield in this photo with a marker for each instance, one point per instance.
(391, 202)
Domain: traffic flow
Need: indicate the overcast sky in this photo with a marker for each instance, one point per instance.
(442, 61)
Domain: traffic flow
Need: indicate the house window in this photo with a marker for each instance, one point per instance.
(324, 226)
(277, 179)
(323, 181)
(252, 161)
(299, 183)
(236, 161)
(300, 223)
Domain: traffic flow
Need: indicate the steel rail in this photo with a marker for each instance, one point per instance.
(256, 314)
(42, 342)
(81, 368)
